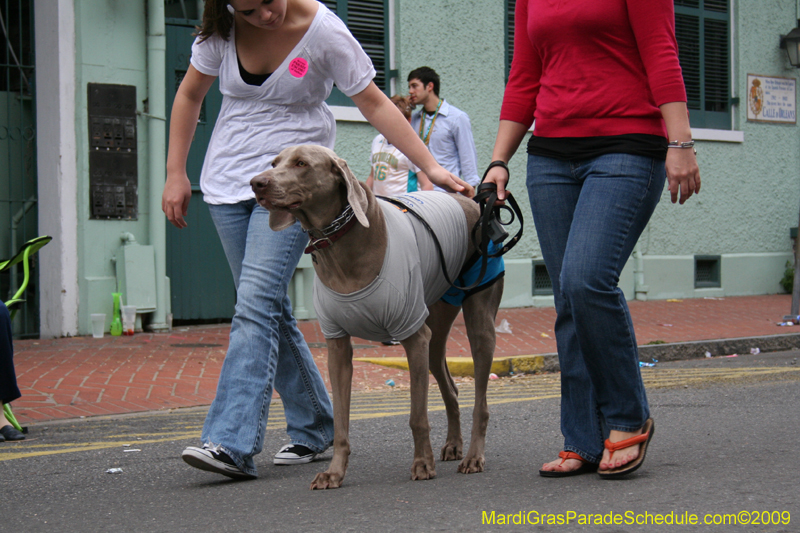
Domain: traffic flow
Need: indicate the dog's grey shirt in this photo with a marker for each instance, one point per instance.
(395, 304)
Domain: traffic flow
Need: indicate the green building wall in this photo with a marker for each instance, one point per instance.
(751, 187)
(110, 47)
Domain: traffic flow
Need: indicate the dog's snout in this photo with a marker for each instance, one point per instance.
(259, 183)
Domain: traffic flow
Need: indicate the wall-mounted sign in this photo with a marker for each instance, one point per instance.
(771, 99)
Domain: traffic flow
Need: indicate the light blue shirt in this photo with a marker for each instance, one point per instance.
(451, 142)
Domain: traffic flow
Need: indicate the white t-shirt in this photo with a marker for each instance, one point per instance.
(256, 122)
(390, 168)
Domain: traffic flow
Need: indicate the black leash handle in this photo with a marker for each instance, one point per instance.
(486, 197)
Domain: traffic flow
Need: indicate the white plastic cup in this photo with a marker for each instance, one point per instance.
(128, 319)
(98, 325)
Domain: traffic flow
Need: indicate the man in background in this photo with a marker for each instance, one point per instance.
(444, 129)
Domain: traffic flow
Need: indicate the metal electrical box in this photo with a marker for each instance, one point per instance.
(136, 276)
(113, 172)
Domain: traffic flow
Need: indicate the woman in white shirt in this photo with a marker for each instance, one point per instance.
(276, 61)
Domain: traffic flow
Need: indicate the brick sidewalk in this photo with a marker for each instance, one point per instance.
(83, 376)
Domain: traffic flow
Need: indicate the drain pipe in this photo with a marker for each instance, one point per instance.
(639, 288)
(156, 132)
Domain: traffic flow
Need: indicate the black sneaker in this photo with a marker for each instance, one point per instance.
(294, 454)
(10, 434)
(393, 342)
(212, 459)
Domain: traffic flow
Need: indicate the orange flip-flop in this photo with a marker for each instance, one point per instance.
(642, 440)
(585, 468)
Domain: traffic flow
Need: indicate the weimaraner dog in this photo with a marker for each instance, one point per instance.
(312, 185)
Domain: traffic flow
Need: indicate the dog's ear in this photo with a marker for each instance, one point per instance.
(279, 219)
(355, 194)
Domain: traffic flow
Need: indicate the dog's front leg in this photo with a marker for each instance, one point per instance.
(416, 347)
(340, 370)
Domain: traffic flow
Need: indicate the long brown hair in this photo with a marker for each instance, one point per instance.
(216, 19)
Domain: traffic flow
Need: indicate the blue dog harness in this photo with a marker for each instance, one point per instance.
(495, 269)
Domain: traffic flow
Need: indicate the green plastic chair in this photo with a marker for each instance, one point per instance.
(28, 249)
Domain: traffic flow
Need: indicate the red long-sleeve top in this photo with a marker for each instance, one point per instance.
(585, 68)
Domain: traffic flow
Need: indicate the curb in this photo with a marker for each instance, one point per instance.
(678, 351)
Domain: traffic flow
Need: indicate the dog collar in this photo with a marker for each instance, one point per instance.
(333, 231)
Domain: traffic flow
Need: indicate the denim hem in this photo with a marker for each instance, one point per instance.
(315, 449)
(589, 457)
(240, 463)
(315, 401)
(626, 429)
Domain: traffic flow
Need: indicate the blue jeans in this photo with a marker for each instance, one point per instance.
(266, 348)
(588, 216)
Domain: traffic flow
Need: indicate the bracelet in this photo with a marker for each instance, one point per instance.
(682, 144)
(498, 163)
(493, 164)
(679, 144)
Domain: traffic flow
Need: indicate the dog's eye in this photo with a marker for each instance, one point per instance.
(300, 163)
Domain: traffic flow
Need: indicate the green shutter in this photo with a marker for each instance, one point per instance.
(717, 92)
(330, 4)
(701, 29)
(509, 24)
(368, 21)
(687, 31)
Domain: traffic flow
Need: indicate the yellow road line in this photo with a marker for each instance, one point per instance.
(397, 402)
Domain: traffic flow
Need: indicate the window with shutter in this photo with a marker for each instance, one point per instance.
(509, 24)
(701, 28)
(368, 21)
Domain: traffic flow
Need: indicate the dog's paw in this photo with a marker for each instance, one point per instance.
(472, 465)
(452, 451)
(421, 470)
(327, 480)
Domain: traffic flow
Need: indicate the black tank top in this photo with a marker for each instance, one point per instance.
(653, 146)
(251, 79)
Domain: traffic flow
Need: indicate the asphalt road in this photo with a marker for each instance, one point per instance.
(725, 443)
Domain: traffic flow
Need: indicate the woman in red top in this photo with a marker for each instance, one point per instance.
(602, 81)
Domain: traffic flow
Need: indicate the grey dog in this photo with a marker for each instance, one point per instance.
(311, 184)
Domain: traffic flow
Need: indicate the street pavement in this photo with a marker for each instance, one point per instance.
(726, 435)
(83, 377)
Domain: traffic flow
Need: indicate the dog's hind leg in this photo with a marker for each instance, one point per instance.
(480, 312)
(340, 370)
(416, 347)
(440, 320)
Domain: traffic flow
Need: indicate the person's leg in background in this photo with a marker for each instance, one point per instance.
(266, 347)
(9, 391)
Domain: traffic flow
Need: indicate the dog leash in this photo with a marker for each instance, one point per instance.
(491, 221)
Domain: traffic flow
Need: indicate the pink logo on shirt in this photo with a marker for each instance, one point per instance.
(298, 67)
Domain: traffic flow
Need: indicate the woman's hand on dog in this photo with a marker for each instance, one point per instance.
(175, 200)
(446, 180)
